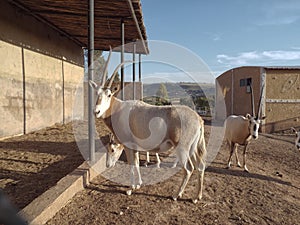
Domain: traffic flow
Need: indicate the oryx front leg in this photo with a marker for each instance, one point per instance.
(134, 165)
(245, 167)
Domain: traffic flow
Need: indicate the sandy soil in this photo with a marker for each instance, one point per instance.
(30, 164)
(269, 194)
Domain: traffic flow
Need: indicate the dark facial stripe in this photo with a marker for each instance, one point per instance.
(255, 127)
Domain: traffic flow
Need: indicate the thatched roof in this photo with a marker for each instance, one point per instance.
(70, 17)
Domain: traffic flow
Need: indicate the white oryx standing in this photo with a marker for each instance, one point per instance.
(142, 127)
(239, 130)
(297, 140)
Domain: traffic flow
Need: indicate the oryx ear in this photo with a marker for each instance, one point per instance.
(248, 116)
(115, 88)
(93, 84)
(263, 118)
(111, 137)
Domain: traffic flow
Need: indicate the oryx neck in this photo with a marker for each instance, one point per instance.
(115, 105)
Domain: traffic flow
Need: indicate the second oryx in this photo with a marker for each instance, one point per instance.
(239, 130)
(297, 139)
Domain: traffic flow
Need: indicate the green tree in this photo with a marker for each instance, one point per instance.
(162, 92)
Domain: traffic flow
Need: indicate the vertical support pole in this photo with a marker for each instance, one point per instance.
(140, 76)
(140, 67)
(63, 90)
(24, 92)
(133, 70)
(91, 118)
(263, 100)
(232, 93)
(122, 58)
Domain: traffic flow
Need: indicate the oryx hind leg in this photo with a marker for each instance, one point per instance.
(188, 170)
(147, 159)
(200, 165)
(157, 160)
(185, 157)
(236, 157)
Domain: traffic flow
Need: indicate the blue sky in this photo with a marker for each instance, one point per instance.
(228, 33)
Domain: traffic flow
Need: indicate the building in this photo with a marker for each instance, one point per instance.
(280, 98)
(41, 55)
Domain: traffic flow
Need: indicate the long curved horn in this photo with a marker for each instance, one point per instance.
(260, 99)
(111, 79)
(252, 101)
(105, 68)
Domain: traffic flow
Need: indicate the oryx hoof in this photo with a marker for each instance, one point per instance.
(138, 186)
(158, 165)
(246, 169)
(195, 201)
(177, 197)
(239, 165)
(128, 192)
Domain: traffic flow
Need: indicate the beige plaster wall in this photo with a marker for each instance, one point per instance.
(39, 73)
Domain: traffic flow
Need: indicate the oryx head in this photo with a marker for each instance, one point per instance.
(114, 152)
(255, 120)
(105, 90)
(297, 140)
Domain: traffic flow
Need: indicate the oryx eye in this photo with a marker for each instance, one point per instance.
(109, 95)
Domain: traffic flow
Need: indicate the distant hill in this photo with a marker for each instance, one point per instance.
(181, 90)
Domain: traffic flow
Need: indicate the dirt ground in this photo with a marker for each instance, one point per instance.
(30, 164)
(269, 194)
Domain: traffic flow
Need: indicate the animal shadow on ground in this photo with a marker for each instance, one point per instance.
(241, 173)
(115, 189)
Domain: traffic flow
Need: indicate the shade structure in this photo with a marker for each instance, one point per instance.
(70, 17)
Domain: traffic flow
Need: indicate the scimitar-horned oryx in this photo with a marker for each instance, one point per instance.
(239, 130)
(297, 139)
(143, 127)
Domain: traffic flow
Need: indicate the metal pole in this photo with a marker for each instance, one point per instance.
(140, 67)
(91, 47)
(133, 69)
(140, 76)
(122, 58)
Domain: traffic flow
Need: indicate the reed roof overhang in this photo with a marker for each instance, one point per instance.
(70, 17)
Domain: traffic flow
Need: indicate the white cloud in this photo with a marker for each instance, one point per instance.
(282, 55)
(174, 77)
(263, 58)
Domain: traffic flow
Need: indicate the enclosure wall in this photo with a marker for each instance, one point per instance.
(40, 70)
(282, 99)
